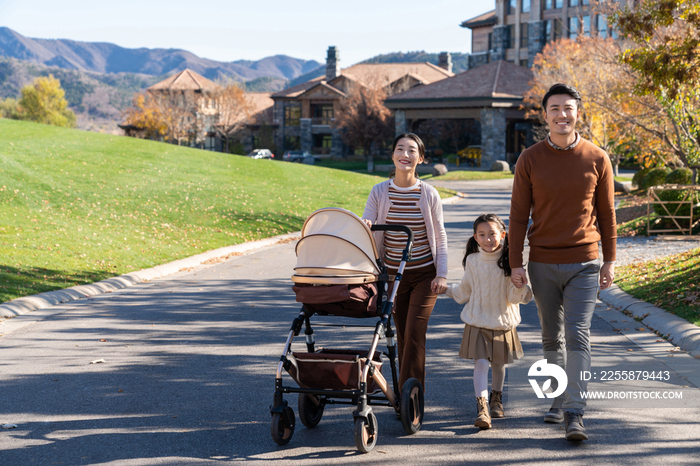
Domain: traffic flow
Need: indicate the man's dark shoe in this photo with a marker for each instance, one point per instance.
(554, 416)
(574, 426)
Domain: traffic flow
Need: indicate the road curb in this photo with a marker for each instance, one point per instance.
(28, 304)
(678, 331)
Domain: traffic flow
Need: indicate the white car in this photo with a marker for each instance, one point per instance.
(261, 154)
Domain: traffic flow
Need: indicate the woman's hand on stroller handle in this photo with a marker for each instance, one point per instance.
(367, 222)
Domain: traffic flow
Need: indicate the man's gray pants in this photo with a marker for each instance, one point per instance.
(565, 295)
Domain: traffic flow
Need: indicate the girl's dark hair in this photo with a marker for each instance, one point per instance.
(473, 246)
(412, 137)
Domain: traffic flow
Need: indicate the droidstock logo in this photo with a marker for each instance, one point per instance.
(543, 369)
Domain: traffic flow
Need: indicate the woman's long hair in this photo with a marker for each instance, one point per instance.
(473, 246)
(412, 137)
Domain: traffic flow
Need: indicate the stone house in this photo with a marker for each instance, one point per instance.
(490, 96)
(191, 100)
(303, 114)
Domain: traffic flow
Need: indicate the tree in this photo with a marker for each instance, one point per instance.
(44, 101)
(611, 115)
(364, 120)
(666, 58)
(233, 111)
(146, 113)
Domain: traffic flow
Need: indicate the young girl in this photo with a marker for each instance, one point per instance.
(406, 200)
(491, 313)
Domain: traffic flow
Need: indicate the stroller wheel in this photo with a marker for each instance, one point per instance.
(366, 432)
(412, 406)
(310, 413)
(282, 426)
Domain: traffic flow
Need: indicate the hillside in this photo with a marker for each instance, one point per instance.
(76, 207)
(103, 57)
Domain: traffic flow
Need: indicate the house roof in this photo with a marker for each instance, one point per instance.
(375, 75)
(496, 80)
(260, 107)
(383, 74)
(186, 80)
(485, 19)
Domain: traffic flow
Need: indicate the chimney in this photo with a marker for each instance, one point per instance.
(332, 64)
(445, 61)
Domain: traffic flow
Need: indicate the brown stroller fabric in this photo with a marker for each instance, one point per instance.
(333, 369)
(339, 300)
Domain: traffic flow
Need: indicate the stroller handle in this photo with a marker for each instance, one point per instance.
(401, 228)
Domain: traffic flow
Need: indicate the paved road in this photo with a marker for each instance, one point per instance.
(189, 365)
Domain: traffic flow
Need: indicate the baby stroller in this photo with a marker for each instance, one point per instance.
(339, 273)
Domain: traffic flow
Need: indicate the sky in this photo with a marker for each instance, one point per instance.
(250, 30)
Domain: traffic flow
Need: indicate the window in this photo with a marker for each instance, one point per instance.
(574, 27)
(292, 142)
(292, 116)
(586, 23)
(490, 40)
(525, 6)
(558, 3)
(547, 4)
(548, 30)
(523, 35)
(322, 114)
(523, 63)
(558, 29)
(573, 2)
(602, 26)
(511, 6)
(584, 2)
(510, 40)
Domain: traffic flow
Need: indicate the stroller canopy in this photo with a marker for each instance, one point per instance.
(336, 246)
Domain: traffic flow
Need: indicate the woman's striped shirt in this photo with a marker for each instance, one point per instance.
(404, 210)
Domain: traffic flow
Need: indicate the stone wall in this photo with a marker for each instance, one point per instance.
(493, 135)
(535, 40)
(499, 43)
(305, 134)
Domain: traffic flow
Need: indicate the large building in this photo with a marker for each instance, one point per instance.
(303, 114)
(517, 30)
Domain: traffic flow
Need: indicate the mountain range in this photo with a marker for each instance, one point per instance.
(103, 57)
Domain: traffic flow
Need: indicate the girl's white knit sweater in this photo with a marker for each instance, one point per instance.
(491, 298)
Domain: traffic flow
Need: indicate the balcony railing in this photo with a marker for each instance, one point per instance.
(321, 121)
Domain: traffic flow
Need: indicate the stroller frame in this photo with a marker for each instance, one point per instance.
(408, 402)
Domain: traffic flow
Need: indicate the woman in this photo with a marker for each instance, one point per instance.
(406, 200)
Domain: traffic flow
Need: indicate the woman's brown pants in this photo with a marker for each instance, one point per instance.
(412, 308)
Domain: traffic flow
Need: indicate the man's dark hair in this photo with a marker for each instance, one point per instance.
(559, 89)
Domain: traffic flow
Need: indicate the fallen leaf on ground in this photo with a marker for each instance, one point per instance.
(630, 349)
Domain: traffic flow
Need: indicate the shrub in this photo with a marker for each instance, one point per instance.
(681, 175)
(655, 177)
(639, 176)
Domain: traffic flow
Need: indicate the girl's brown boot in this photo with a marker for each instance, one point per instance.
(495, 404)
(483, 418)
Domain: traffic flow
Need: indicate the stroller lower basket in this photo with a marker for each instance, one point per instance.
(332, 369)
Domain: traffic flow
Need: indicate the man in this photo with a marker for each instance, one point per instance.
(567, 184)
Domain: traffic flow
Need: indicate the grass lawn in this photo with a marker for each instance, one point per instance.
(623, 178)
(671, 283)
(77, 207)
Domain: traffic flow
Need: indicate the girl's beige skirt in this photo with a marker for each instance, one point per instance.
(498, 346)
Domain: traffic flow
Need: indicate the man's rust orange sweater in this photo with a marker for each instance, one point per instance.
(571, 194)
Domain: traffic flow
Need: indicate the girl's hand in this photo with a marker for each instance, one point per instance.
(518, 277)
(439, 285)
(367, 222)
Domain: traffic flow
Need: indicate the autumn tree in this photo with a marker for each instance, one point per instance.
(146, 113)
(44, 101)
(611, 115)
(665, 54)
(234, 109)
(364, 120)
